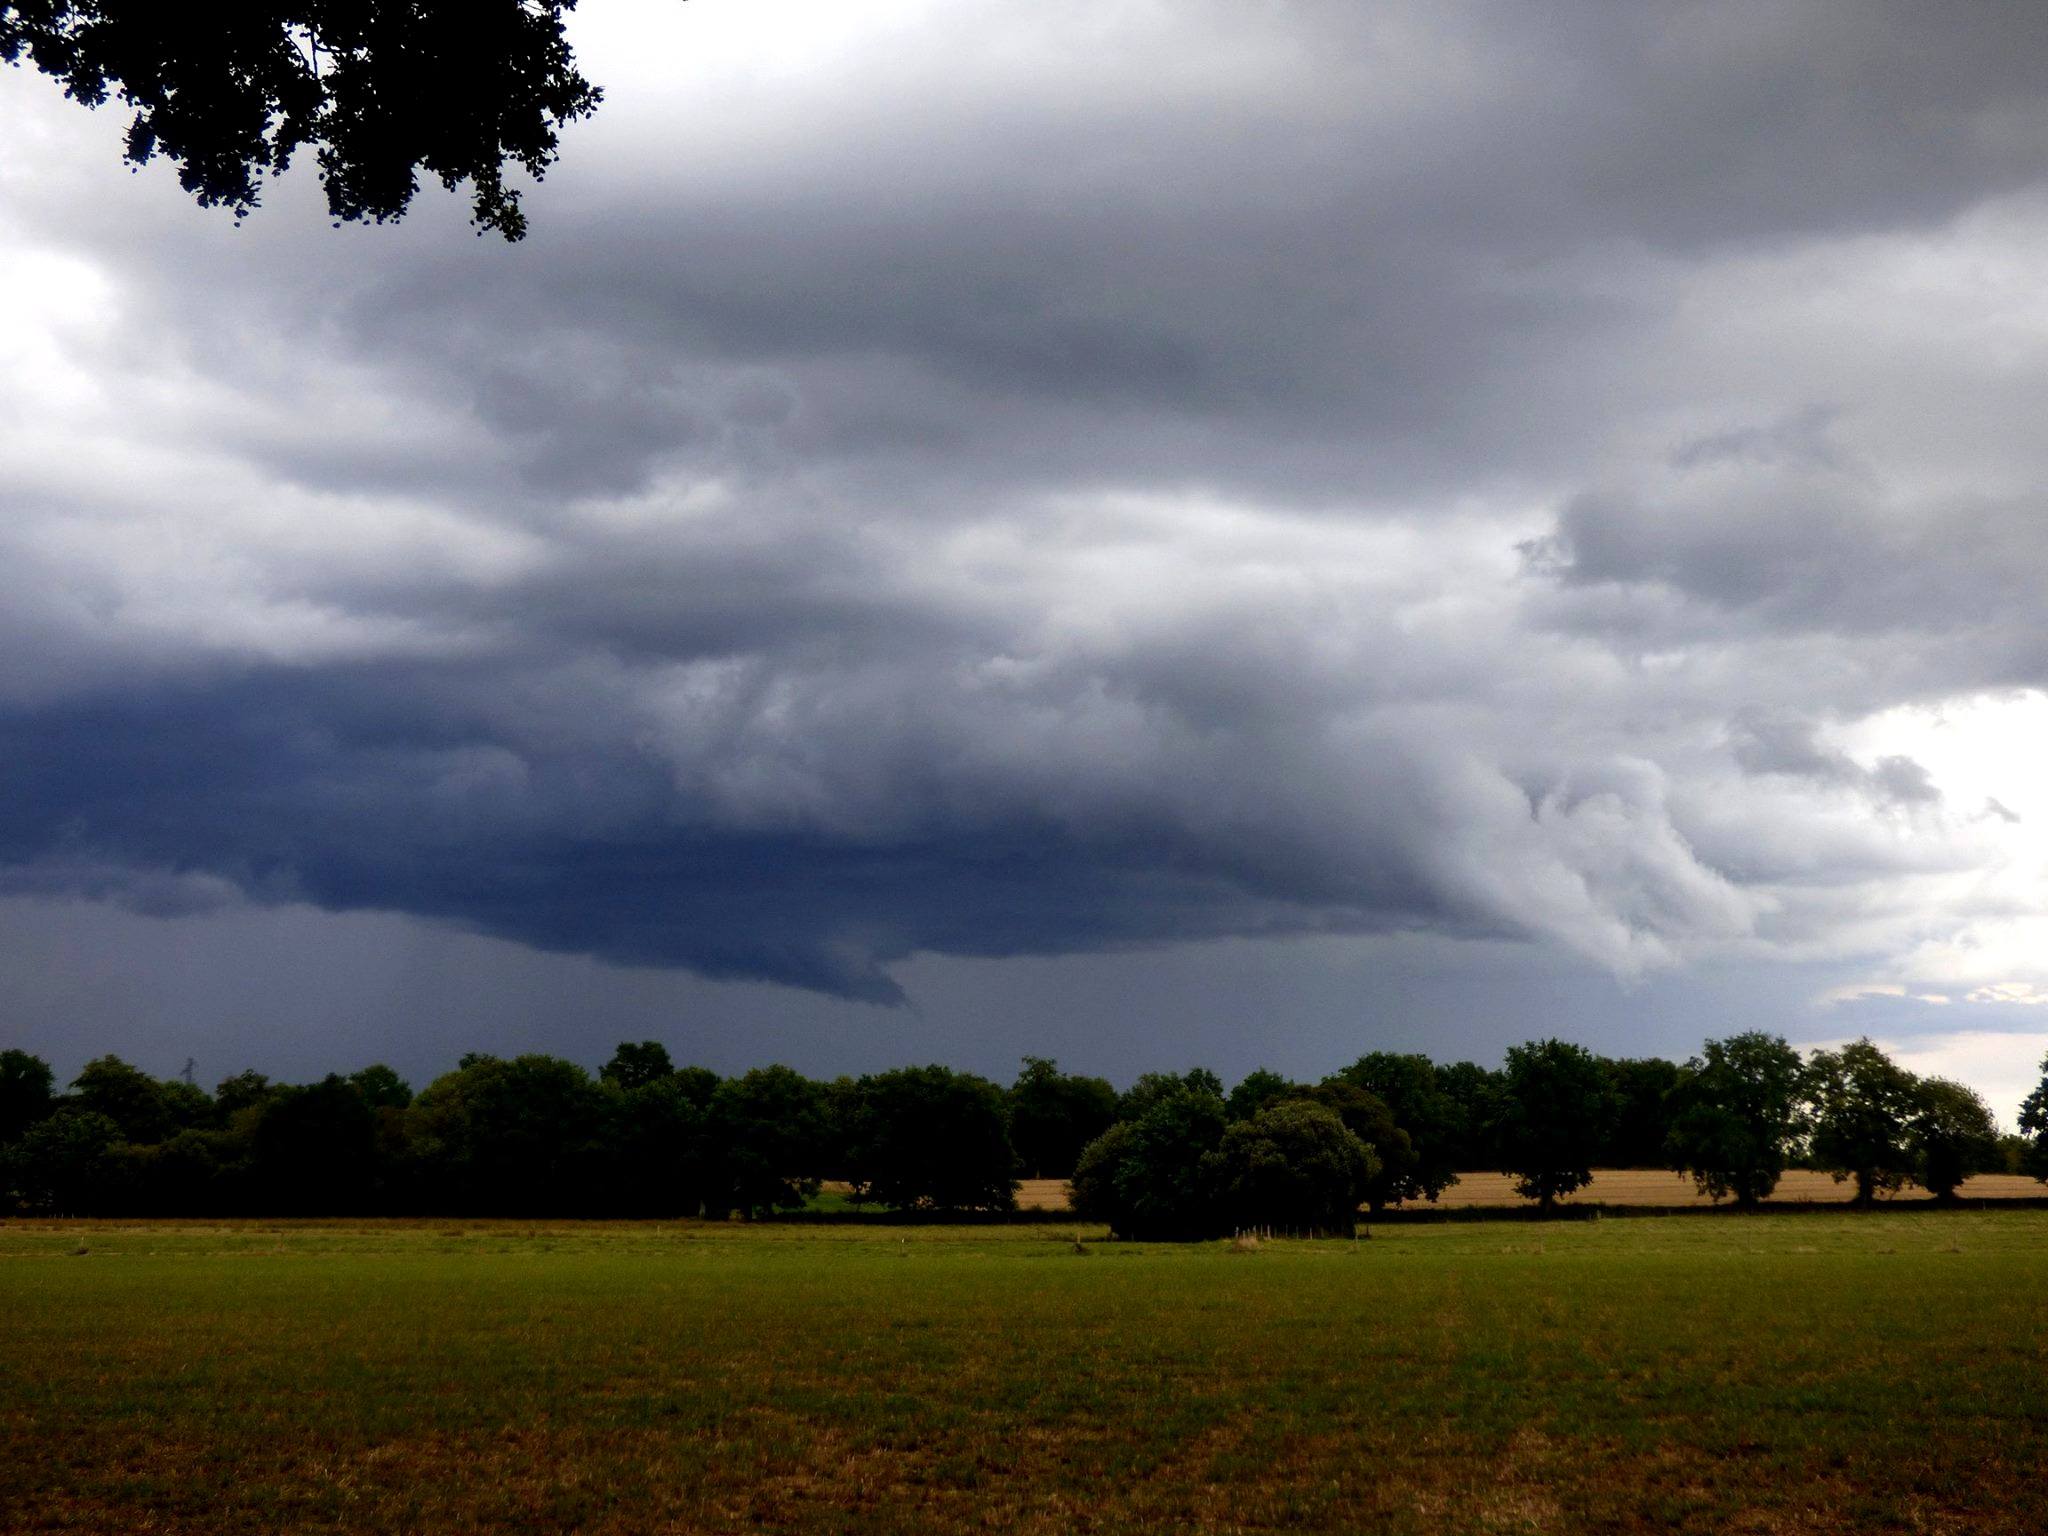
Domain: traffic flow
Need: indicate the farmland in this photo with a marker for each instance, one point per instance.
(1817, 1370)
(1637, 1187)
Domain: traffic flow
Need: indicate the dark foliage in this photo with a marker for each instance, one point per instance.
(1415, 1094)
(380, 90)
(1366, 1116)
(509, 1138)
(771, 1133)
(1642, 1089)
(1258, 1089)
(931, 1139)
(1556, 1113)
(1473, 1093)
(1952, 1136)
(540, 1136)
(1145, 1176)
(1294, 1165)
(1737, 1114)
(26, 1093)
(1864, 1105)
(2034, 1127)
(1054, 1114)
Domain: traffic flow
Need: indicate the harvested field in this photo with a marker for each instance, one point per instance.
(1639, 1187)
(1661, 1187)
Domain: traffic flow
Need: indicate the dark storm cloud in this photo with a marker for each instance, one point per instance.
(1037, 490)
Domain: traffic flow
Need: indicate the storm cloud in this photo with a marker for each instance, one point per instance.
(972, 480)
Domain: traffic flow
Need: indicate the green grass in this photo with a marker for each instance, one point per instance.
(1884, 1371)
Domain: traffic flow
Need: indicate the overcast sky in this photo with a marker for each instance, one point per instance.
(1144, 532)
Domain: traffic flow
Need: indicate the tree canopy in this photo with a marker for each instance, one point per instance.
(2034, 1127)
(1738, 1113)
(1952, 1135)
(1556, 1112)
(379, 91)
(1864, 1106)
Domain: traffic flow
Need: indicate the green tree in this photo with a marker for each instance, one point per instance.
(26, 1095)
(1737, 1114)
(379, 92)
(930, 1138)
(509, 1137)
(1474, 1094)
(1413, 1091)
(1556, 1114)
(1293, 1165)
(770, 1132)
(1864, 1104)
(1642, 1113)
(1145, 1176)
(244, 1091)
(63, 1164)
(1155, 1087)
(1367, 1117)
(1258, 1089)
(1054, 1114)
(1952, 1136)
(2034, 1126)
(381, 1087)
(126, 1095)
(635, 1066)
(660, 1153)
(314, 1150)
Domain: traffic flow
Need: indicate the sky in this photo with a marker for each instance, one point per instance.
(1141, 532)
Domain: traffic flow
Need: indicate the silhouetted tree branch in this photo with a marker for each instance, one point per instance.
(381, 89)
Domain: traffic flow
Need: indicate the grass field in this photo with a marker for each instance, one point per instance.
(1807, 1372)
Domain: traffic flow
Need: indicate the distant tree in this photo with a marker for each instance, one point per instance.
(26, 1092)
(126, 1095)
(2034, 1126)
(1642, 1115)
(661, 1158)
(1413, 1091)
(379, 92)
(1474, 1094)
(769, 1128)
(515, 1137)
(1952, 1136)
(1054, 1114)
(1293, 1165)
(1863, 1109)
(315, 1150)
(1367, 1117)
(187, 1106)
(194, 1173)
(1737, 1115)
(1145, 1176)
(63, 1165)
(930, 1138)
(2013, 1154)
(1556, 1114)
(635, 1066)
(1258, 1089)
(245, 1090)
(381, 1087)
(1153, 1087)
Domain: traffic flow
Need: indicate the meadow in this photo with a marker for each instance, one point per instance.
(1804, 1371)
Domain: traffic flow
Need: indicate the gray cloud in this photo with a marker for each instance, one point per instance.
(1051, 485)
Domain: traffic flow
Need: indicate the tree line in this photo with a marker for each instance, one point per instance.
(1174, 1155)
